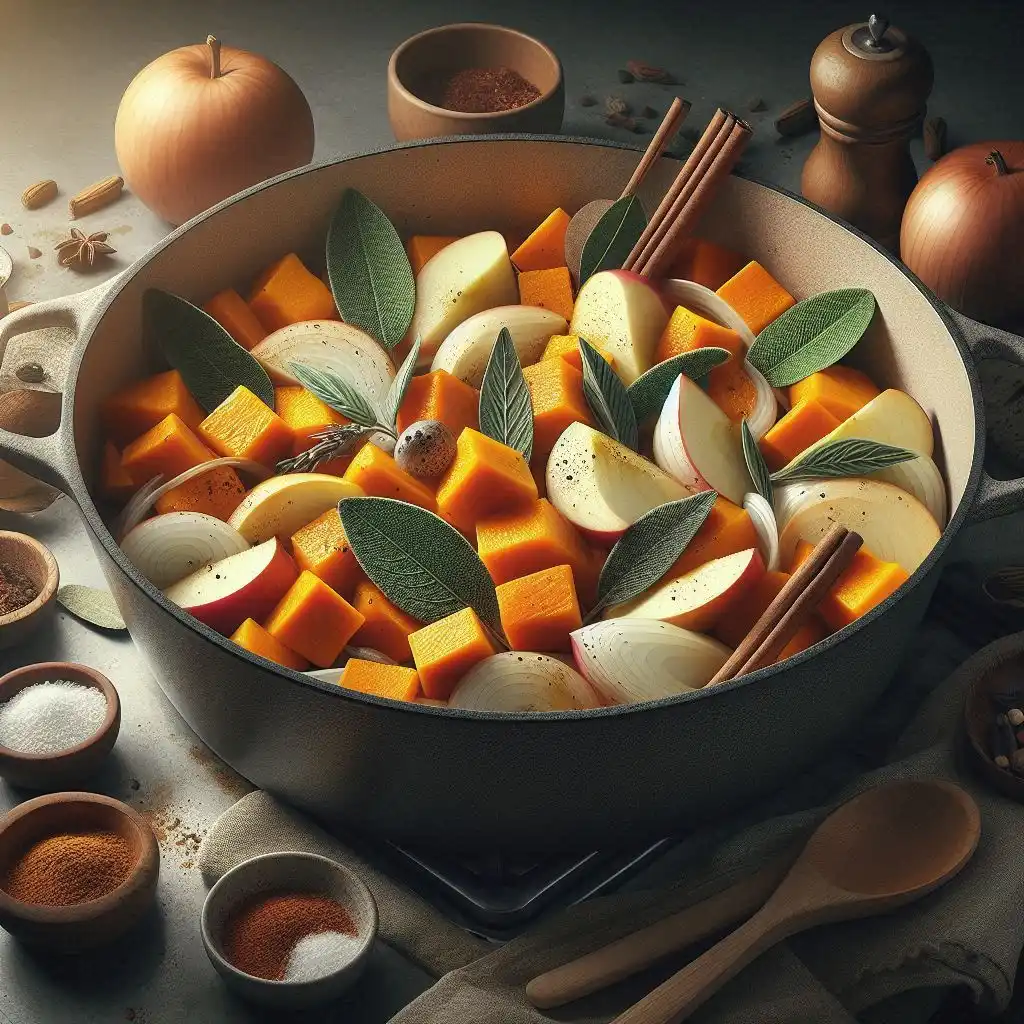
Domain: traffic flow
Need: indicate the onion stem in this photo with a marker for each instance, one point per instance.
(998, 161)
(214, 44)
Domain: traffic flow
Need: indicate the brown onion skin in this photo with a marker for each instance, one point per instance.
(963, 233)
(186, 140)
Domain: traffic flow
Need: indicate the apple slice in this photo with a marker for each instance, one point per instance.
(695, 442)
(601, 486)
(624, 314)
(700, 598)
(283, 504)
(466, 277)
(464, 353)
(244, 586)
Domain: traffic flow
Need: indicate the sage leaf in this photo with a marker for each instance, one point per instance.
(92, 605)
(755, 463)
(854, 456)
(649, 391)
(649, 548)
(607, 397)
(812, 335)
(341, 395)
(506, 412)
(210, 361)
(422, 564)
(369, 270)
(399, 386)
(609, 244)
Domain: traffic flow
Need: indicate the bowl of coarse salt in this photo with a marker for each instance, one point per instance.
(58, 721)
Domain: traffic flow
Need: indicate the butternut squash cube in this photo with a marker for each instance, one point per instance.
(287, 293)
(806, 636)
(379, 476)
(322, 548)
(556, 392)
(129, 413)
(486, 478)
(567, 347)
(217, 493)
(808, 421)
(305, 415)
(313, 620)
(840, 389)
(386, 628)
(706, 263)
(115, 483)
(393, 681)
(539, 611)
(256, 640)
(165, 450)
(544, 248)
(243, 427)
(444, 651)
(756, 296)
(235, 315)
(549, 289)
(423, 248)
(442, 396)
(726, 530)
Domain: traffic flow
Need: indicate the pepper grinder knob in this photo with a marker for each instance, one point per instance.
(878, 25)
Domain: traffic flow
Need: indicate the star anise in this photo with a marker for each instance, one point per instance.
(81, 250)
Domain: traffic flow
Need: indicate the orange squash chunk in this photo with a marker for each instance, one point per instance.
(485, 478)
(808, 421)
(256, 640)
(129, 413)
(806, 636)
(322, 548)
(115, 483)
(726, 530)
(423, 248)
(217, 493)
(243, 427)
(440, 395)
(549, 289)
(379, 476)
(386, 628)
(567, 347)
(235, 315)
(287, 293)
(539, 611)
(556, 392)
(544, 248)
(687, 330)
(867, 582)
(840, 389)
(165, 450)
(393, 681)
(444, 651)
(756, 296)
(706, 263)
(313, 620)
(305, 415)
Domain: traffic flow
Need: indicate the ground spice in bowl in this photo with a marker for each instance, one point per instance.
(16, 589)
(486, 91)
(51, 717)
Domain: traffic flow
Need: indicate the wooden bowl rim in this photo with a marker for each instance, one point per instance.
(49, 588)
(1009, 784)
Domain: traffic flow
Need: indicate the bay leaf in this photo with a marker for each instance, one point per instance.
(812, 335)
(92, 605)
(506, 412)
(369, 270)
(854, 456)
(608, 246)
(210, 361)
(649, 391)
(399, 386)
(607, 397)
(422, 564)
(337, 392)
(756, 466)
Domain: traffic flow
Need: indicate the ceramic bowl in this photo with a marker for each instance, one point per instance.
(38, 564)
(68, 767)
(83, 925)
(423, 61)
(289, 872)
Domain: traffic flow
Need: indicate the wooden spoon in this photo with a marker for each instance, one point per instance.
(881, 850)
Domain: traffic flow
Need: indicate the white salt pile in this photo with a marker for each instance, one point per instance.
(316, 956)
(49, 717)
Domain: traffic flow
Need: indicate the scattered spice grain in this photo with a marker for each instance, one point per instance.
(6, 229)
(16, 589)
(30, 373)
(615, 105)
(756, 104)
(487, 91)
(34, 253)
(644, 72)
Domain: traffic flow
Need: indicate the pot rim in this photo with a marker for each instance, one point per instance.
(99, 528)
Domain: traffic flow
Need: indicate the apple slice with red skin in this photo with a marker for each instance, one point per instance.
(248, 585)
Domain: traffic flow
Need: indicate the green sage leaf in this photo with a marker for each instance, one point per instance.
(812, 335)
(210, 361)
(341, 395)
(399, 386)
(755, 463)
(649, 391)
(422, 564)
(854, 456)
(609, 244)
(506, 412)
(92, 605)
(607, 397)
(369, 270)
(649, 548)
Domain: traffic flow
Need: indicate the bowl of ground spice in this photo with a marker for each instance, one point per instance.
(28, 586)
(474, 79)
(77, 870)
(289, 929)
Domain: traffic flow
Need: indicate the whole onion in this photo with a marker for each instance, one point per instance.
(962, 231)
(203, 122)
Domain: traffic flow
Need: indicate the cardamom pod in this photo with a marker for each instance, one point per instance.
(95, 197)
(797, 119)
(39, 194)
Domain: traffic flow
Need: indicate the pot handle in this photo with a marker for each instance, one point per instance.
(45, 458)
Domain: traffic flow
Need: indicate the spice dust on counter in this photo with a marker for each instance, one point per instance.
(486, 91)
(50, 717)
(16, 589)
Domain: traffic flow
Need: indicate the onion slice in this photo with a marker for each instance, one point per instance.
(766, 406)
(518, 681)
(168, 548)
(762, 515)
(632, 660)
(921, 477)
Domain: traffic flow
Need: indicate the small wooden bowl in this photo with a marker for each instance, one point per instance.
(68, 767)
(422, 61)
(38, 564)
(82, 925)
(1007, 677)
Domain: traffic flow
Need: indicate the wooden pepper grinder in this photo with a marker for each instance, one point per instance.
(871, 82)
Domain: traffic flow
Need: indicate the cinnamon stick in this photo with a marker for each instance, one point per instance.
(671, 123)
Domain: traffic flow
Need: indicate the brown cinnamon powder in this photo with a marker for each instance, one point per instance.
(486, 91)
(16, 589)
